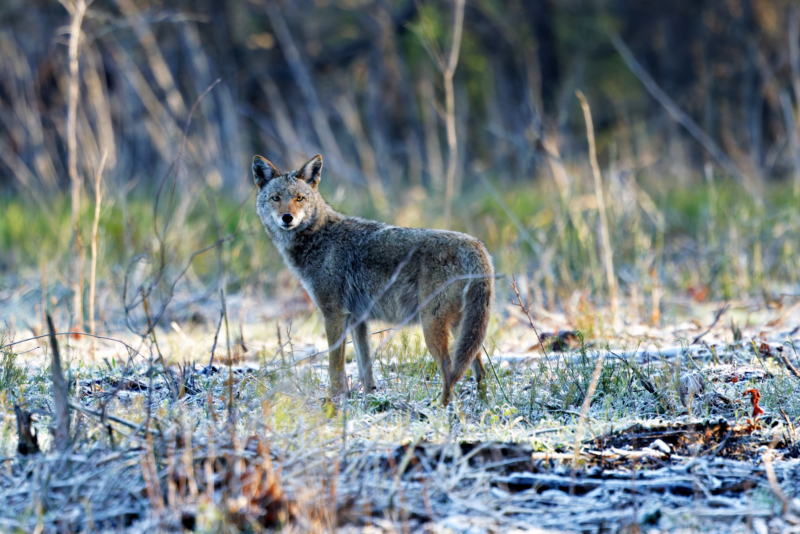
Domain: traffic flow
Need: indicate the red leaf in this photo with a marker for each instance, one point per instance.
(755, 396)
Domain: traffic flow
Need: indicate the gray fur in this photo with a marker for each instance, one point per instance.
(347, 265)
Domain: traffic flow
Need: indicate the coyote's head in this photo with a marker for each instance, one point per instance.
(287, 201)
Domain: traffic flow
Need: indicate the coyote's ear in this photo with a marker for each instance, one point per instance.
(310, 172)
(263, 171)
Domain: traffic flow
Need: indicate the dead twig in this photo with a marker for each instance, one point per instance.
(131, 349)
(161, 236)
(792, 369)
(130, 306)
(100, 415)
(231, 406)
(527, 313)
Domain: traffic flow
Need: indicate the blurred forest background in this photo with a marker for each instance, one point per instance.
(694, 107)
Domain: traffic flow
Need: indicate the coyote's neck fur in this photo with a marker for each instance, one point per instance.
(300, 247)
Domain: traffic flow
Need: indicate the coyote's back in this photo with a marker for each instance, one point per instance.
(356, 270)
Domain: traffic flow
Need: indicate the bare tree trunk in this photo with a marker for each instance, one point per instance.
(77, 11)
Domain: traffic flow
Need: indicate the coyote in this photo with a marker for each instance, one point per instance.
(356, 270)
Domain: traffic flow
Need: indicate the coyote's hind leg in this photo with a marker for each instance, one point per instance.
(435, 328)
(364, 356)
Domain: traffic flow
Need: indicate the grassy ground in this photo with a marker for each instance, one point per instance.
(366, 462)
(325, 449)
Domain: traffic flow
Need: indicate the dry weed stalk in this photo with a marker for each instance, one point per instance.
(528, 314)
(587, 402)
(219, 326)
(608, 259)
(655, 290)
(98, 199)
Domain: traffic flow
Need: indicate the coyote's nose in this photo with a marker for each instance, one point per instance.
(287, 218)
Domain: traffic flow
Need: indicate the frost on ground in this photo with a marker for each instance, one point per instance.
(690, 426)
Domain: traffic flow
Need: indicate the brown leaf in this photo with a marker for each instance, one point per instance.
(698, 293)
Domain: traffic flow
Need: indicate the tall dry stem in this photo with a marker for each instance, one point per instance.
(450, 110)
(77, 9)
(98, 198)
(608, 258)
(587, 403)
(794, 48)
(447, 67)
(60, 393)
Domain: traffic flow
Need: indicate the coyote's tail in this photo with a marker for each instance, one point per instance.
(474, 325)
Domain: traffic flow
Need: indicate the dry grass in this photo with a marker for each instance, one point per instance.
(143, 459)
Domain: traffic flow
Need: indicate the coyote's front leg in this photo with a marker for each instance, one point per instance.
(335, 332)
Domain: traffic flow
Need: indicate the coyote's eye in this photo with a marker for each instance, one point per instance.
(275, 198)
(300, 199)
